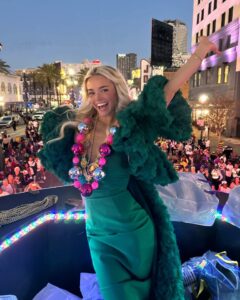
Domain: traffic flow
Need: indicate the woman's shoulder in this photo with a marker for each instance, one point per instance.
(53, 120)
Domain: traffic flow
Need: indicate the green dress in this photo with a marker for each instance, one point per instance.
(120, 235)
(131, 238)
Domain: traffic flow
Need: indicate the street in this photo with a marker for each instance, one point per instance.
(20, 131)
(232, 142)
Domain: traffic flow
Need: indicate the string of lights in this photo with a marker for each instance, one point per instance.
(56, 217)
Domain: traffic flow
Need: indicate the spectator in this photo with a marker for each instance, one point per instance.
(32, 186)
(223, 187)
(235, 182)
(14, 124)
(216, 177)
(208, 143)
(11, 181)
(18, 179)
(6, 186)
(3, 193)
(228, 173)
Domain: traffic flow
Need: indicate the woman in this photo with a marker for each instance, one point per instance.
(235, 182)
(114, 164)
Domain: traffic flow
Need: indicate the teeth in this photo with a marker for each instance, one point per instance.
(102, 104)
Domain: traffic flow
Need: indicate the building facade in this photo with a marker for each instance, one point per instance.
(126, 63)
(10, 92)
(179, 42)
(219, 75)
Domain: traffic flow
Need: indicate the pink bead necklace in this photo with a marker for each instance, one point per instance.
(86, 175)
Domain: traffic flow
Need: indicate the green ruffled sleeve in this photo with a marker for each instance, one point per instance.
(57, 156)
(146, 119)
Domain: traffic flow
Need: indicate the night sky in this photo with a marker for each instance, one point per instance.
(34, 32)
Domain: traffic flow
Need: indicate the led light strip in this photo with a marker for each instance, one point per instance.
(69, 216)
(218, 215)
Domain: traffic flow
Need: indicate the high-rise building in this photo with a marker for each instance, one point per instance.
(169, 43)
(179, 46)
(161, 44)
(218, 77)
(126, 63)
(179, 36)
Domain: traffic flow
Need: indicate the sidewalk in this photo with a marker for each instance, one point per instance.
(232, 142)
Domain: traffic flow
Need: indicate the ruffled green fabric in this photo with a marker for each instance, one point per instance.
(57, 156)
(167, 281)
(145, 120)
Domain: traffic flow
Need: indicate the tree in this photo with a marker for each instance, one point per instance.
(50, 76)
(81, 74)
(4, 67)
(220, 111)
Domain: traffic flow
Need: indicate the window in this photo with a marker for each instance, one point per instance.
(197, 35)
(220, 44)
(230, 14)
(213, 26)
(208, 76)
(199, 1)
(3, 88)
(214, 4)
(209, 7)
(195, 80)
(199, 78)
(9, 88)
(223, 0)
(15, 89)
(223, 20)
(226, 74)
(145, 78)
(208, 29)
(219, 75)
(201, 32)
(202, 14)
(228, 42)
(198, 15)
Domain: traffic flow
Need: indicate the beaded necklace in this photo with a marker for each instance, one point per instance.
(86, 175)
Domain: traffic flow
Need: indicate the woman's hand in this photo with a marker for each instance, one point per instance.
(205, 46)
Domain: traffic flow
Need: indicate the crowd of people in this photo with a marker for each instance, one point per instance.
(221, 167)
(21, 169)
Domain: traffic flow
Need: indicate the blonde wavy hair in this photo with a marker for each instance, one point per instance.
(86, 109)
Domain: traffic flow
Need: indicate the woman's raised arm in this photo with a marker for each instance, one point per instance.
(191, 66)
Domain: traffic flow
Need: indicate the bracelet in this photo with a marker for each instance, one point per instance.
(195, 55)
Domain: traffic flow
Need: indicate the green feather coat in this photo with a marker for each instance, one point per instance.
(140, 124)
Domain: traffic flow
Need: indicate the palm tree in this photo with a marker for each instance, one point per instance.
(4, 67)
(80, 75)
(50, 76)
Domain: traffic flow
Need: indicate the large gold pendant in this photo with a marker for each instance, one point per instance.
(92, 167)
(83, 162)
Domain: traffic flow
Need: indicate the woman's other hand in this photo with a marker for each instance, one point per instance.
(205, 46)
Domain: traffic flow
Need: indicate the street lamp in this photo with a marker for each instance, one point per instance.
(1, 104)
(202, 99)
(72, 82)
(25, 91)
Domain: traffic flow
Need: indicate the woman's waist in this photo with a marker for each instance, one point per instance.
(109, 213)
